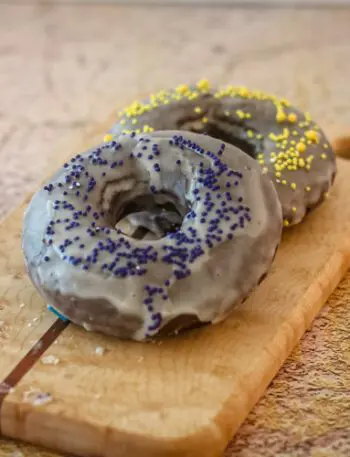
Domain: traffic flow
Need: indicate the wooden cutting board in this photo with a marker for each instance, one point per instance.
(95, 396)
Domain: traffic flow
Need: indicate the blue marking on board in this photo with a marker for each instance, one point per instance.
(53, 310)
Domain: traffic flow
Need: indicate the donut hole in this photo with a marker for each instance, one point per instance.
(149, 216)
(229, 132)
(232, 136)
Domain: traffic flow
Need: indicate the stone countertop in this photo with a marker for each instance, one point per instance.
(65, 68)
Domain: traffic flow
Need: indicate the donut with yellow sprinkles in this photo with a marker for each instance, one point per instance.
(286, 142)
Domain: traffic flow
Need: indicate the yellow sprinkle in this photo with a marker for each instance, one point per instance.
(324, 156)
(312, 135)
(265, 170)
(204, 120)
(278, 174)
(285, 102)
(309, 142)
(285, 133)
(240, 113)
(307, 116)
(307, 188)
(259, 136)
(198, 109)
(292, 118)
(284, 182)
(134, 121)
(203, 84)
(273, 137)
(193, 95)
(250, 134)
(293, 185)
(325, 146)
(281, 117)
(295, 133)
(286, 222)
(182, 89)
(107, 138)
(303, 140)
(301, 163)
(300, 147)
(147, 129)
(243, 92)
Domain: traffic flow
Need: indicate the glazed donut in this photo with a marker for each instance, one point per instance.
(150, 234)
(289, 146)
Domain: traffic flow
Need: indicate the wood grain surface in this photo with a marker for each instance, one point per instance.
(72, 79)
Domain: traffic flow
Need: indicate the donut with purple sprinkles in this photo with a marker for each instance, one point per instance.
(149, 234)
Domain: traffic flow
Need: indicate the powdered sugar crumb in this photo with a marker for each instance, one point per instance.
(36, 397)
(50, 360)
(99, 350)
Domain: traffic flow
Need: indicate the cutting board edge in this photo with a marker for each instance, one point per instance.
(208, 441)
(312, 302)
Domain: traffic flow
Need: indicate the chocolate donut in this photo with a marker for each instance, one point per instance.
(288, 145)
(152, 233)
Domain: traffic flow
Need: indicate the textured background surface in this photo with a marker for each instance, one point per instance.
(64, 68)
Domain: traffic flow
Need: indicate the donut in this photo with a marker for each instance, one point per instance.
(288, 144)
(151, 234)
